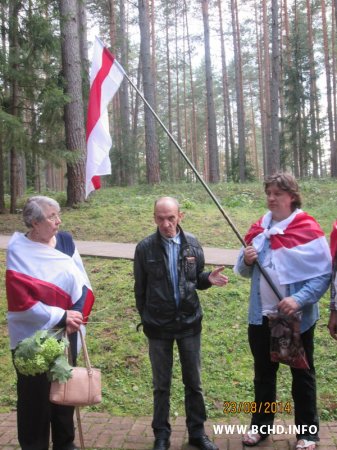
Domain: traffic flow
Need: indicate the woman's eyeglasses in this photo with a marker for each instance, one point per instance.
(54, 217)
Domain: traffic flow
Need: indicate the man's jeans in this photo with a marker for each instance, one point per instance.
(161, 356)
(303, 380)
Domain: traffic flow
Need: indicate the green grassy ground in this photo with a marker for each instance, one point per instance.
(124, 214)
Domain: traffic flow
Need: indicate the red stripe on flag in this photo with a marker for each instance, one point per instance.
(96, 181)
(302, 230)
(23, 292)
(253, 231)
(88, 304)
(94, 105)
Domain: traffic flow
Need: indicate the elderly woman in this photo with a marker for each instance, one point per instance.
(291, 247)
(47, 287)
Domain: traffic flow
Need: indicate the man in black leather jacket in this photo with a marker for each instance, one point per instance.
(168, 268)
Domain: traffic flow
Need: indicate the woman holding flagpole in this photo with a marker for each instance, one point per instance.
(47, 287)
(291, 247)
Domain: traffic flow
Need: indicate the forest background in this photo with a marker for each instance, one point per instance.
(246, 87)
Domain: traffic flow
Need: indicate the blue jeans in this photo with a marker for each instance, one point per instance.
(161, 356)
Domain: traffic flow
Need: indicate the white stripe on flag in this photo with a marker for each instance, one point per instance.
(106, 76)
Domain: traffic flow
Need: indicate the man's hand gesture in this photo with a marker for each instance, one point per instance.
(217, 278)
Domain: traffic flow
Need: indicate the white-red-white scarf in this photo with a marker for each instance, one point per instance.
(299, 248)
(41, 283)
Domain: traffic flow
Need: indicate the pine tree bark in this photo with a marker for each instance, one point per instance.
(83, 39)
(334, 74)
(213, 151)
(74, 110)
(229, 138)
(169, 93)
(180, 166)
(313, 92)
(239, 91)
(195, 158)
(333, 156)
(263, 116)
(117, 164)
(274, 153)
(267, 102)
(152, 153)
(13, 37)
(128, 162)
(3, 49)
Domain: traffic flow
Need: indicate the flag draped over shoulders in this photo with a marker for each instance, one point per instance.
(299, 248)
(41, 283)
(106, 76)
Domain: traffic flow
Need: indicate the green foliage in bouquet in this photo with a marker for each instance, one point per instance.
(41, 353)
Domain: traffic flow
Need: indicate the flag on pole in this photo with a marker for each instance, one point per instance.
(106, 75)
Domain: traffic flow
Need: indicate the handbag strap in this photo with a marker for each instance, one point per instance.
(85, 350)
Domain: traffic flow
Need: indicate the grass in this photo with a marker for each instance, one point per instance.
(124, 214)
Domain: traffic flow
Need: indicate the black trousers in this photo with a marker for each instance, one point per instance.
(161, 356)
(35, 416)
(303, 381)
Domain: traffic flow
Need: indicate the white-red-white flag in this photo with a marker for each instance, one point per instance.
(298, 246)
(106, 75)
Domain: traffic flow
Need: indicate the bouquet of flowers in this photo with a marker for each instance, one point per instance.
(43, 352)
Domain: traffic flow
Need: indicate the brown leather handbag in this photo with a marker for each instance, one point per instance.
(82, 389)
(285, 340)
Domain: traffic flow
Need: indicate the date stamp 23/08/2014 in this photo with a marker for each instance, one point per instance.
(256, 407)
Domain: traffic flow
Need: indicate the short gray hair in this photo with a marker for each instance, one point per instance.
(34, 209)
(172, 200)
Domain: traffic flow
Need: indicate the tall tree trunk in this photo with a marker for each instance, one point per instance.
(267, 102)
(333, 156)
(4, 52)
(239, 91)
(281, 90)
(74, 110)
(127, 148)
(334, 75)
(213, 151)
(195, 158)
(152, 153)
(82, 18)
(169, 93)
(274, 154)
(255, 159)
(135, 111)
(296, 127)
(261, 92)
(313, 91)
(153, 49)
(180, 167)
(229, 138)
(117, 166)
(14, 8)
